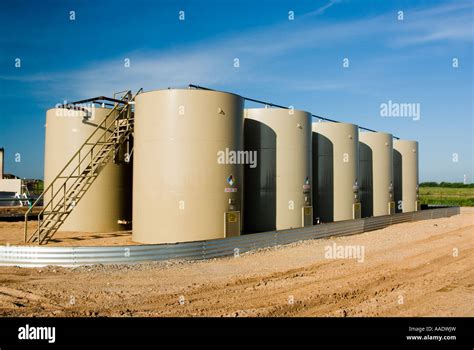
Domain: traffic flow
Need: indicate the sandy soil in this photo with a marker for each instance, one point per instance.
(412, 269)
(13, 233)
(17, 212)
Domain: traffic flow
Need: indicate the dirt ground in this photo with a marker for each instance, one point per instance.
(422, 268)
(12, 228)
(13, 233)
(17, 213)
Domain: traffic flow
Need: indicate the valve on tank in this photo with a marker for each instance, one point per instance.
(232, 204)
(417, 202)
(356, 207)
(355, 189)
(391, 201)
(307, 191)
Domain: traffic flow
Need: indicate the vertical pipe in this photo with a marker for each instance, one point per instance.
(26, 226)
(39, 229)
(1, 162)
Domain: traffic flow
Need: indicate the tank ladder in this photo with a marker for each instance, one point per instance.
(71, 184)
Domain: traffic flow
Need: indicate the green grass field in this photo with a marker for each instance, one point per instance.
(447, 196)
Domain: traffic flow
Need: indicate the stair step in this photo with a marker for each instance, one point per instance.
(50, 224)
(72, 177)
(51, 227)
(53, 218)
(55, 212)
(47, 229)
(75, 193)
(99, 143)
(49, 221)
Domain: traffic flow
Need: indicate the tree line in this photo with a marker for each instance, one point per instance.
(446, 184)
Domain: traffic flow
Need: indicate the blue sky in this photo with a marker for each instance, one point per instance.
(290, 62)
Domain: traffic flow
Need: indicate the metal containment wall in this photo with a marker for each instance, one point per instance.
(376, 173)
(37, 256)
(278, 186)
(335, 171)
(187, 180)
(109, 198)
(405, 160)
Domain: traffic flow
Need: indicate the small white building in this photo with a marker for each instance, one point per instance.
(11, 189)
(11, 185)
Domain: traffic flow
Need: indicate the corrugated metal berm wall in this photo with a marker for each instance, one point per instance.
(37, 256)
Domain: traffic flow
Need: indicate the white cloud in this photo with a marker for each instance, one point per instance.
(322, 9)
(259, 51)
(452, 22)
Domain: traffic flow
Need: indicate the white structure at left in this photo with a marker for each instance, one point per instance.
(9, 188)
(11, 185)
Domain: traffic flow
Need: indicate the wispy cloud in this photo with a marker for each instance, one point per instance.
(259, 53)
(452, 22)
(322, 9)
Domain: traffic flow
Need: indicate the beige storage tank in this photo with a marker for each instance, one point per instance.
(278, 187)
(187, 183)
(335, 172)
(108, 200)
(405, 170)
(376, 174)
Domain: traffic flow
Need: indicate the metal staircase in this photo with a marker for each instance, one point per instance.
(62, 195)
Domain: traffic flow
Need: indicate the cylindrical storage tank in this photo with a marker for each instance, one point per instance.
(376, 174)
(405, 170)
(278, 187)
(187, 178)
(335, 171)
(108, 200)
